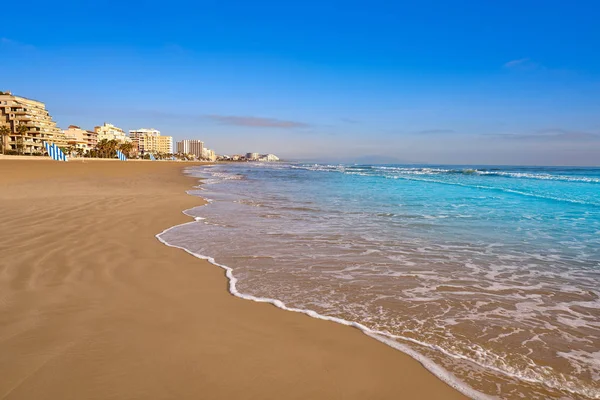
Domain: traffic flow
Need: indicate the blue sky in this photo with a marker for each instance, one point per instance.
(511, 82)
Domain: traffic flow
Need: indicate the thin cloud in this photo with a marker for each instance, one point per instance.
(436, 131)
(256, 122)
(522, 64)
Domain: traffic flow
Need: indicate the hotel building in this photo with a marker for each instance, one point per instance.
(195, 147)
(15, 111)
(150, 141)
(111, 132)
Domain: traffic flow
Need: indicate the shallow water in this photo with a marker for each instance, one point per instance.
(491, 273)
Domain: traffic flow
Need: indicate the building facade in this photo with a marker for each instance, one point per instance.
(188, 146)
(111, 132)
(16, 111)
(150, 141)
(92, 139)
(252, 156)
(80, 138)
(268, 157)
(208, 154)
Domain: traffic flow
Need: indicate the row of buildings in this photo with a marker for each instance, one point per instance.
(249, 157)
(196, 148)
(27, 125)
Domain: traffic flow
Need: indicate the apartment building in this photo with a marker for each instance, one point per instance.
(150, 141)
(16, 111)
(268, 157)
(208, 154)
(92, 139)
(80, 138)
(111, 132)
(189, 146)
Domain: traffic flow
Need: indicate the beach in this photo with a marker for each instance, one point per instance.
(93, 306)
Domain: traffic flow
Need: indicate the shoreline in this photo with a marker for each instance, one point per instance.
(93, 306)
(441, 373)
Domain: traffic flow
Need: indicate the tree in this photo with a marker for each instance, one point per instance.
(4, 132)
(22, 129)
(126, 148)
(101, 148)
(68, 150)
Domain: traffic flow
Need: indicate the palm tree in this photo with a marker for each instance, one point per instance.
(102, 147)
(22, 129)
(4, 132)
(126, 148)
(69, 150)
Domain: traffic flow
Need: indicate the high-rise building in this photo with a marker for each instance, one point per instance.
(137, 137)
(208, 154)
(16, 111)
(111, 132)
(189, 146)
(252, 156)
(150, 141)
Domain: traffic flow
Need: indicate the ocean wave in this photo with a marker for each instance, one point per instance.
(499, 189)
(475, 354)
(483, 358)
(374, 170)
(383, 337)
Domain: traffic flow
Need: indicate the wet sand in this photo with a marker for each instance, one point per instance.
(93, 306)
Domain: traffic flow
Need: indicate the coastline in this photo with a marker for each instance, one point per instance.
(93, 306)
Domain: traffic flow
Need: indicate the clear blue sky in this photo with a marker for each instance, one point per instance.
(500, 82)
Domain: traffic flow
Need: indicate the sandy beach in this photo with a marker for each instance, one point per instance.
(93, 306)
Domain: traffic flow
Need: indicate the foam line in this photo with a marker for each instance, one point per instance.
(383, 337)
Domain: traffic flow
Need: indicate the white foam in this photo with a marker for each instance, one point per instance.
(383, 337)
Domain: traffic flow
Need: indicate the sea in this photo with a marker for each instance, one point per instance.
(488, 276)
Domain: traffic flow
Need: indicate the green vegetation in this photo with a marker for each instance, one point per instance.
(21, 131)
(4, 132)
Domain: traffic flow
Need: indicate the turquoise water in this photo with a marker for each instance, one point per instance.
(491, 274)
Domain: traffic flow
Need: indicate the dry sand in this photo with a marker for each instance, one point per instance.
(93, 306)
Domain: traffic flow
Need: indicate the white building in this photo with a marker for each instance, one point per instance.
(268, 157)
(111, 132)
(252, 156)
(188, 146)
(208, 154)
